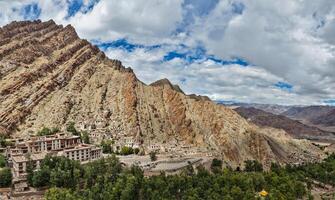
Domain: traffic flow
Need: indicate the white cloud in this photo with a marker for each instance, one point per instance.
(141, 20)
(228, 82)
(278, 36)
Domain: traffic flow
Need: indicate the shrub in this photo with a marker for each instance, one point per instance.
(216, 165)
(106, 146)
(136, 150)
(85, 137)
(47, 131)
(126, 150)
(153, 155)
(72, 129)
(2, 161)
(253, 166)
(5, 177)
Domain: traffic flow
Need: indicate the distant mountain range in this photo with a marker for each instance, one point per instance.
(271, 108)
(314, 115)
(319, 117)
(293, 127)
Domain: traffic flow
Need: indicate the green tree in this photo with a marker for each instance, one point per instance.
(30, 172)
(153, 156)
(47, 131)
(188, 170)
(5, 177)
(129, 191)
(58, 194)
(85, 137)
(106, 146)
(253, 166)
(41, 178)
(216, 165)
(275, 167)
(237, 193)
(3, 142)
(126, 150)
(2, 161)
(72, 129)
(106, 179)
(136, 150)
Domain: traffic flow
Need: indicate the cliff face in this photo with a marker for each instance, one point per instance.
(49, 76)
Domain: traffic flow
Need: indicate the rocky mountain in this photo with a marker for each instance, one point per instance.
(166, 82)
(327, 119)
(49, 77)
(295, 128)
(319, 116)
(309, 113)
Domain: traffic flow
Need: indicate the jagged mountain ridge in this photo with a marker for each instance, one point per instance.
(49, 77)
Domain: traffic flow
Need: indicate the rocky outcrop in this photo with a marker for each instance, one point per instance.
(166, 83)
(49, 77)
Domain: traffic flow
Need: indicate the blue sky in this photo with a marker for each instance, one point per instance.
(31, 11)
(261, 51)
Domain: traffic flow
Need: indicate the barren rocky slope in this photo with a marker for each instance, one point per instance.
(308, 113)
(327, 120)
(295, 128)
(48, 77)
(319, 116)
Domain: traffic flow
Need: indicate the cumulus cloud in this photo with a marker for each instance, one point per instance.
(288, 46)
(278, 36)
(147, 21)
(220, 82)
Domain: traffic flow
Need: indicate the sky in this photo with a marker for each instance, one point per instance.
(260, 51)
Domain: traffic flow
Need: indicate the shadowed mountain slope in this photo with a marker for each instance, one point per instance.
(293, 127)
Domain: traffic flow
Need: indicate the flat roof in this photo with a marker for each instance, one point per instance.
(19, 158)
(47, 138)
(38, 156)
(34, 157)
(79, 147)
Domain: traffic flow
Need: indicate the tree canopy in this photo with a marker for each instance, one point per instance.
(72, 129)
(47, 131)
(5, 177)
(107, 179)
(2, 161)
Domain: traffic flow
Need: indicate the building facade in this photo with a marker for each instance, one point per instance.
(33, 151)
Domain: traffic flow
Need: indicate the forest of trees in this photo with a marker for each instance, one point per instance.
(107, 179)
